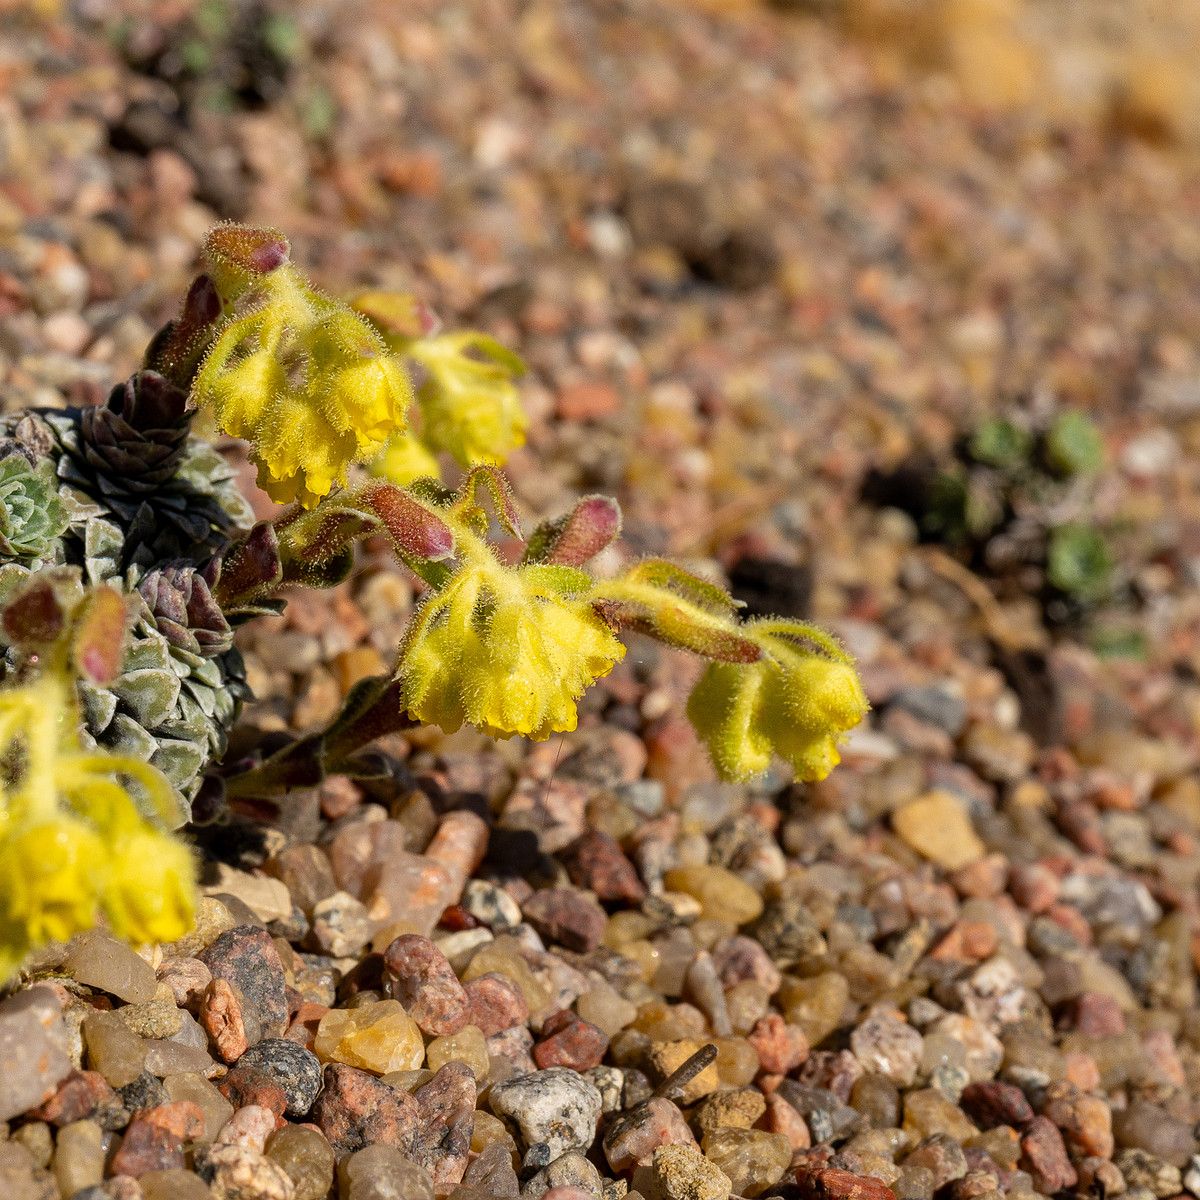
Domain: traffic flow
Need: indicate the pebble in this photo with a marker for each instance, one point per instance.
(249, 1126)
(1044, 1156)
(306, 1157)
(246, 958)
(379, 1037)
(355, 1110)
(296, 1070)
(567, 917)
(34, 1057)
(632, 1138)
(339, 925)
(239, 1173)
(888, 1046)
(683, 1173)
(569, 1041)
(381, 1172)
(753, 1160)
(420, 977)
(555, 1107)
(102, 962)
(224, 1016)
(495, 1003)
(491, 905)
(445, 1120)
(596, 862)
(112, 1049)
(570, 1170)
(79, 1154)
(937, 827)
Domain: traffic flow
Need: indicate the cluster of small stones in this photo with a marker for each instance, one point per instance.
(478, 990)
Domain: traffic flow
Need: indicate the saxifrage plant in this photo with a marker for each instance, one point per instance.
(128, 559)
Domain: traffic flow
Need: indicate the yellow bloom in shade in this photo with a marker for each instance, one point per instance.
(74, 839)
(796, 701)
(470, 405)
(52, 875)
(403, 459)
(306, 381)
(150, 895)
(506, 650)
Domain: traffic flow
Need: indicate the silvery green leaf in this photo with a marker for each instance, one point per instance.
(149, 695)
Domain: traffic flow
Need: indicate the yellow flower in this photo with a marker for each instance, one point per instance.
(403, 459)
(52, 875)
(150, 894)
(73, 842)
(795, 701)
(470, 405)
(508, 651)
(306, 381)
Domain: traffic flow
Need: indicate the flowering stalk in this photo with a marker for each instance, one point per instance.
(83, 834)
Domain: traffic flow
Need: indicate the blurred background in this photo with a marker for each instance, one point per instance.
(805, 284)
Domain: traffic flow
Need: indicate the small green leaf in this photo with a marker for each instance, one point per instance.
(1074, 445)
(999, 443)
(1078, 561)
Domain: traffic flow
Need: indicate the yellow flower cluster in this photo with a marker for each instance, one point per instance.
(307, 381)
(469, 405)
(506, 650)
(796, 701)
(74, 842)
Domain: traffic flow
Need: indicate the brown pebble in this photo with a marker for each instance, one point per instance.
(566, 916)
(632, 1139)
(781, 1047)
(221, 1017)
(249, 1085)
(828, 1183)
(149, 1146)
(781, 1117)
(356, 1110)
(1044, 1156)
(495, 1003)
(78, 1097)
(187, 978)
(1084, 1121)
(445, 1121)
(570, 1041)
(595, 861)
(739, 958)
(418, 974)
(990, 1102)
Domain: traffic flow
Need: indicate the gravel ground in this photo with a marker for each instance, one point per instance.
(746, 265)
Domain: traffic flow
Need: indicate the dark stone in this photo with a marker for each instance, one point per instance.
(355, 1110)
(296, 1070)
(247, 958)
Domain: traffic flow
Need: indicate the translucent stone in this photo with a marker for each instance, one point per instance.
(489, 1129)
(377, 1037)
(659, 1021)
(927, 1111)
(629, 925)
(503, 955)
(35, 1136)
(307, 1158)
(191, 1086)
(164, 1057)
(737, 1061)
(707, 933)
(746, 1002)
(606, 1008)
(381, 1172)
(1002, 1145)
(408, 888)
(676, 950)
(407, 1081)
(173, 1185)
(112, 1049)
(883, 1143)
(468, 1046)
(646, 955)
(878, 1099)
(914, 1183)
(941, 1050)
(79, 1156)
(1035, 1054)
(723, 896)
(816, 1004)
(753, 1160)
(100, 961)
